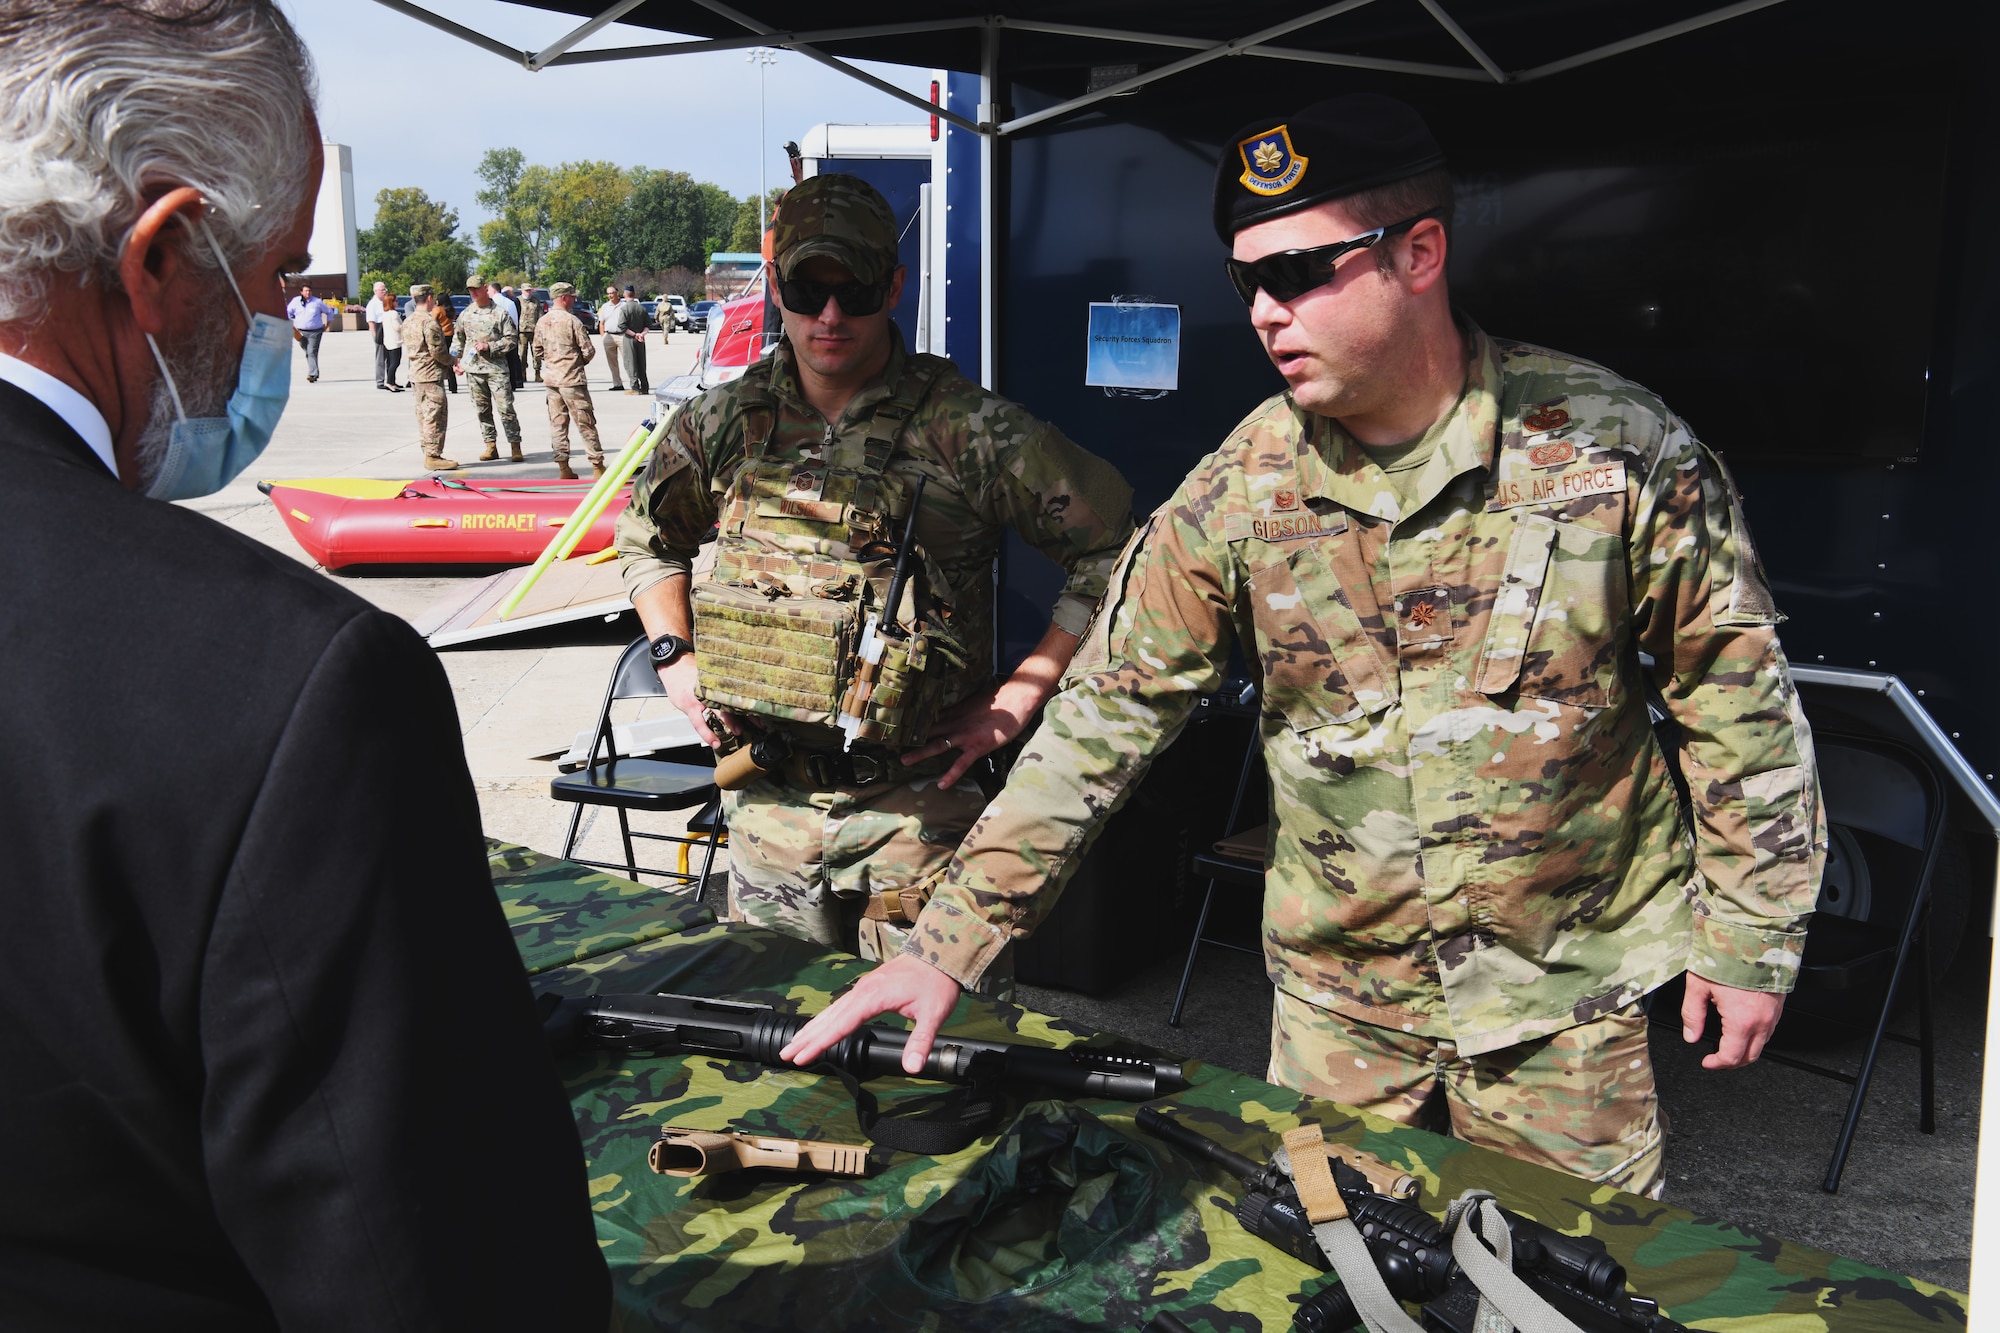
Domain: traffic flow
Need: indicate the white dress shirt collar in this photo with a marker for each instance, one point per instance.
(78, 412)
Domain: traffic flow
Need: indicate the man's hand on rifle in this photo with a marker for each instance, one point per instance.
(905, 985)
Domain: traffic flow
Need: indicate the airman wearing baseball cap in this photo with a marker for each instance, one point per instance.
(842, 217)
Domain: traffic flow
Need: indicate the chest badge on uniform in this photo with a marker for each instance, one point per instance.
(805, 484)
(1270, 166)
(1553, 453)
(1546, 417)
(1284, 500)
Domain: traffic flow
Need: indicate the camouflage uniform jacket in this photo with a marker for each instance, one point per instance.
(1475, 835)
(491, 325)
(990, 466)
(531, 314)
(424, 345)
(563, 346)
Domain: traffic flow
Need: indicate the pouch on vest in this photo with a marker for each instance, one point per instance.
(804, 556)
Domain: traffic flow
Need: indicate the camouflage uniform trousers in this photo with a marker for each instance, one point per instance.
(1580, 1100)
(529, 356)
(567, 402)
(491, 389)
(804, 862)
(432, 413)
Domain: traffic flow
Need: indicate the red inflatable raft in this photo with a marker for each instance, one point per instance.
(343, 521)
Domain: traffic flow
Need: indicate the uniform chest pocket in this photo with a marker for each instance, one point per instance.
(1554, 630)
(1319, 665)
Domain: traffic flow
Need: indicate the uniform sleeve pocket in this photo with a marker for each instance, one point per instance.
(1780, 810)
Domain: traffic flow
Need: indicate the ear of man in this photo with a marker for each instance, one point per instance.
(151, 265)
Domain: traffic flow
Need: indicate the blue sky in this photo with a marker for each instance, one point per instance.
(696, 113)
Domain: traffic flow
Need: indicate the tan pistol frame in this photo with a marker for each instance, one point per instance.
(690, 1153)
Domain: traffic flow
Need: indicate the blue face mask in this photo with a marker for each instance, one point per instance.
(207, 453)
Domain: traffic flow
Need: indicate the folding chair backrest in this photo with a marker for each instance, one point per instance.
(635, 677)
(1874, 789)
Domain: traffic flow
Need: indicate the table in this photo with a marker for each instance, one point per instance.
(1150, 1231)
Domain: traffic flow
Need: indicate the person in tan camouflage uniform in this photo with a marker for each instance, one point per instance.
(839, 845)
(563, 349)
(531, 314)
(486, 333)
(1444, 553)
(428, 351)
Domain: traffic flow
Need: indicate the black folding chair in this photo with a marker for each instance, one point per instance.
(1235, 859)
(1902, 800)
(627, 784)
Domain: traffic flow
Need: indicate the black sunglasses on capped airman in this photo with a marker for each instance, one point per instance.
(803, 297)
(1290, 274)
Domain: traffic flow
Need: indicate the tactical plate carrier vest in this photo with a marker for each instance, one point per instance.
(804, 557)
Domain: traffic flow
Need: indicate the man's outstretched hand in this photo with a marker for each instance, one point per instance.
(904, 985)
(1748, 1019)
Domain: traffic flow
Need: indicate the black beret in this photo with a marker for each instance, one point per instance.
(1331, 149)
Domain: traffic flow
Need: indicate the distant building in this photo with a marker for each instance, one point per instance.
(729, 272)
(336, 257)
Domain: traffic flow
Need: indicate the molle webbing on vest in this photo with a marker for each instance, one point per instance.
(803, 556)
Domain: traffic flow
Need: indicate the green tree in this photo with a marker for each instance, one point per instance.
(664, 221)
(718, 211)
(744, 236)
(444, 264)
(406, 220)
(517, 194)
(585, 201)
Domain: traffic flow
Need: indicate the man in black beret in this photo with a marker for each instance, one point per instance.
(1445, 554)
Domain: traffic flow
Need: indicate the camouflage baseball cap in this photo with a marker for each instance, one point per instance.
(475, 282)
(419, 290)
(562, 289)
(842, 217)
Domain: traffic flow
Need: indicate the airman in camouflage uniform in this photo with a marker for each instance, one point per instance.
(425, 348)
(835, 855)
(564, 349)
(485, 334)
(1476, 868)
(531, 313)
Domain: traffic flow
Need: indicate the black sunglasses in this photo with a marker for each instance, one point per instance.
(803, 297)
(1290, 274)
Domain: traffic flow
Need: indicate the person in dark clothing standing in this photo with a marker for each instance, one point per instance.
(243, 852)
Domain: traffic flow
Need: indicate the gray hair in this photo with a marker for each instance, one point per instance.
(104, 101)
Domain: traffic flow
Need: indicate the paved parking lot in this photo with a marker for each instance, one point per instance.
(518, 699)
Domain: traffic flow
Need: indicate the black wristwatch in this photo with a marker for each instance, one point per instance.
(670, 648)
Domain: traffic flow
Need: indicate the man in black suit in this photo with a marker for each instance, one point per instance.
(268, 1058)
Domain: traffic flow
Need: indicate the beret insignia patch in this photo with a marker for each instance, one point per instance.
(1270, 166)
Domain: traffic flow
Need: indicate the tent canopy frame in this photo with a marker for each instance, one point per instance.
(991, 125)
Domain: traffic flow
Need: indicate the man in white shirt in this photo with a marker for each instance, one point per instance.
(375, 305)
(612, 327)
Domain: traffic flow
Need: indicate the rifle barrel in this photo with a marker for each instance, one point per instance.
(893, 605)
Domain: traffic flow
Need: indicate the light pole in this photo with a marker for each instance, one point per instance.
(763, 57)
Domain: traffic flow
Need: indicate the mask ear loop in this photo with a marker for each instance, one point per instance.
(222, 263)
(173, 391)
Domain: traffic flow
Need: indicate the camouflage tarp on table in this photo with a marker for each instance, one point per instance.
(755, 1250)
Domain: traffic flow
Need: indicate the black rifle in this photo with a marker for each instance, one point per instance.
(732, 1030)
(1575, 1274)
(892, 605)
